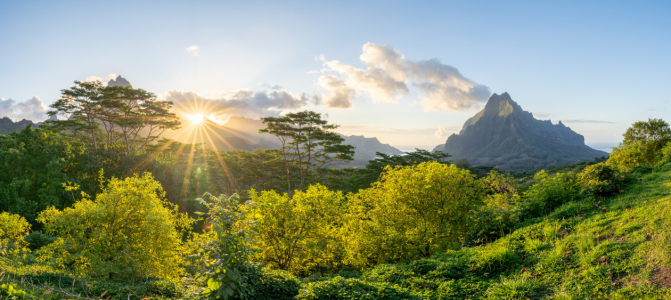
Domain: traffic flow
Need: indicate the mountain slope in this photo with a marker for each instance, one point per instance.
(504, 135)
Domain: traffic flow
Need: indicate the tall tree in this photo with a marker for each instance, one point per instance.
(309, 143)
(113, 116)
(650, 136)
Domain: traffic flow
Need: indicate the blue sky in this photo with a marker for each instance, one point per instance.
(597, 66)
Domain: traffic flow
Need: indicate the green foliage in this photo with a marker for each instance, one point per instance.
(37, 239)
(521, 288)
(13, 230)
(363, 178)
(643, 144)
(351, 288)
(549, 192)
(266, 283)
(308, 143)
(600, 180)
(128, 231)
(411, 213)
(462, 164)
(117, 117)
(33, 165)
(226, 253)
(301, 233)
(8, 291)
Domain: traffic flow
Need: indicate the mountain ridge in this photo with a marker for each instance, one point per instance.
(504, 135)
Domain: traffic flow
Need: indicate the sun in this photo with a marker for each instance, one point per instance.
(196, 118)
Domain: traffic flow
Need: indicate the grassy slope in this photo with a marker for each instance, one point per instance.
(577, 252)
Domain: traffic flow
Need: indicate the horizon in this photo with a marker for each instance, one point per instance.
(408, 74)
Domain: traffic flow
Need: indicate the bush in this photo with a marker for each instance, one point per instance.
(265, 283)
(298, 233)
(412, 212)
(37, 239)
(341, 288)
(489, 225)
(7, 291)
(226, 249)
(13, 230)
(548, 193)
(601, 180)
(128, 231)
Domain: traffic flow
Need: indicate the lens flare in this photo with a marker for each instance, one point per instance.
(196, 119)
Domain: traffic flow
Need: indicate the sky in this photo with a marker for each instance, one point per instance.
(409, 73)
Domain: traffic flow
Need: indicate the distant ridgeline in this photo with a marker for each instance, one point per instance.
(241, 133)
(505, 136)
(7, 126)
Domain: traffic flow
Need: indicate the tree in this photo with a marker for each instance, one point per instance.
(463, 164)
(364, 177)
(653, 135)
(128, 231)
(113, 116)
(309, 143)
(412, 212)
(298, 233)
(227, 249)
(33, 165)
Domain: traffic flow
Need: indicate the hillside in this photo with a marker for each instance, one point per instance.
(506, 136)
(590, 249)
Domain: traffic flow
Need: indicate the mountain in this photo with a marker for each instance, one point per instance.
(506, 136)
(7, 126)
(120, 81)
(366, 148)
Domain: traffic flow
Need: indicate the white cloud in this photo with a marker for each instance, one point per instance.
(244, 103)
(388, 74)
(32, 109)
(338, 93)
(193, 50)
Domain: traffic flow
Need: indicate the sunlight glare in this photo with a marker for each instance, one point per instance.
(196, 119)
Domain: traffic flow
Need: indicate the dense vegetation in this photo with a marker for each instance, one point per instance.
(88, 213)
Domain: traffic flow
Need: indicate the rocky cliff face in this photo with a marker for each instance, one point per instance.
(505, 135)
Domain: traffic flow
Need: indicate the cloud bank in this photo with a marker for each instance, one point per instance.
(388, 74)
(32, 109)
(245, 103)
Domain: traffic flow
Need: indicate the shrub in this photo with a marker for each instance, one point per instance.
(128, 231)
(13, 230)
(600, 180)
(226, 250)
(298, 233)
(549, 192)
(412, 212)
(37, 239)
(8, 291)
(265, 283)
(341, 288)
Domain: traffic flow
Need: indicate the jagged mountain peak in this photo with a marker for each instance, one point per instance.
(503, 134)
(120, 81)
